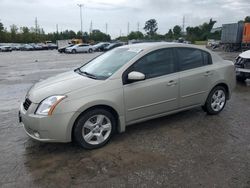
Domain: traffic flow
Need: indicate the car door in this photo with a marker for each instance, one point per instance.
(158, 93)
(80, 48)
(196, 73)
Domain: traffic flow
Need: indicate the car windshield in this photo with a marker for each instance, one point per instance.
(108, 63)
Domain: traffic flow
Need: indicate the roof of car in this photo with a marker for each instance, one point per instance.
(153, 45)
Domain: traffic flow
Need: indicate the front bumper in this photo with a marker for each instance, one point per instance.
(243, 72)
(55, 128)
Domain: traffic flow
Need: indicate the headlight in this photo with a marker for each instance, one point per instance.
(47, 106)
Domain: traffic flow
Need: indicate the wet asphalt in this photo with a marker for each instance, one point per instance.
(188, 149)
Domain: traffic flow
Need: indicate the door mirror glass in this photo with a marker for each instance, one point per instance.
(136, 76)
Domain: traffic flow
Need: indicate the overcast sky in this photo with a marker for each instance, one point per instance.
(117, 13)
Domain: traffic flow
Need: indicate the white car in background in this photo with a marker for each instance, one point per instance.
(79, 48)
(242, 65)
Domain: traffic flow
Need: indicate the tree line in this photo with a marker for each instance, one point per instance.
(35, 35)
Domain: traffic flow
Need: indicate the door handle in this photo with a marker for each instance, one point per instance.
(208, 73)
(171, 83)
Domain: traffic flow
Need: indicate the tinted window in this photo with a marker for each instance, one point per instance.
(158, 63)
(192, 58)
(207, 58)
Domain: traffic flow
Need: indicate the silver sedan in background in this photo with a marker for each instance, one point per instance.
(124, 86)
(79, 48)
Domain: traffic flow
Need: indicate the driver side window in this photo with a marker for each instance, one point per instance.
(157, 63)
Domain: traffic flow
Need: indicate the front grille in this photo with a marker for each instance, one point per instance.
(242, 63)
(26, 104)
(247, 65)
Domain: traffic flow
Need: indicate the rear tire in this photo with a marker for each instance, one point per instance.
(216, 101)
(90, 50)
(73, 51)
(94, 128)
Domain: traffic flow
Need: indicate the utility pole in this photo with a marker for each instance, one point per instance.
(36, 26)
(138, 26)
(91, 27)
(183, 24)
(80, 6)
(128, 28)
(106, 27)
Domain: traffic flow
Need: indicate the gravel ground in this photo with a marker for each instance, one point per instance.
(188, 149)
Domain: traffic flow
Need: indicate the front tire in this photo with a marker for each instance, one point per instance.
(94, 128)
(216, 101)
(90, 50)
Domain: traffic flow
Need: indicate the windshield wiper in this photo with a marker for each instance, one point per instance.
(88, 74)
(84, 73)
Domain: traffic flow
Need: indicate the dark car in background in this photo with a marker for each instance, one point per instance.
(112, 46)
(52, 46)
(26, 47)
(37, 46)
(62, 49)
(100, 46)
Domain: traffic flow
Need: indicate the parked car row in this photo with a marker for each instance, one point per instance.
(28, 47)
(81, 48)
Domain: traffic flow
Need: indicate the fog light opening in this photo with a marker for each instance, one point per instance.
(36, 134)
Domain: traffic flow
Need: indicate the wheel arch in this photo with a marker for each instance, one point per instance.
(120, 122)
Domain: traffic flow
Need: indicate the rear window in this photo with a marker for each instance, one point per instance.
(190, 58)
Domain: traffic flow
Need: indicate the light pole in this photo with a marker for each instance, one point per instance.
(80, 6)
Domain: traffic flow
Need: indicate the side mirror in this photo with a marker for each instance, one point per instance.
(136, 76)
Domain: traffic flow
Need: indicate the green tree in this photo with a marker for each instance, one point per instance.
(135, 35)
(170, 34)
(177, 31)
(2, 33)
(98, 36)
(202, 32)
(13, 33)
(1, 27)
(247, 19)
(151, 27)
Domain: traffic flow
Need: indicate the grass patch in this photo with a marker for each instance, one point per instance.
(200, 42)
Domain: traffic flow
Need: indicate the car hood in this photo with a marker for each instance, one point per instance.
(60, 85)
(245, 55)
